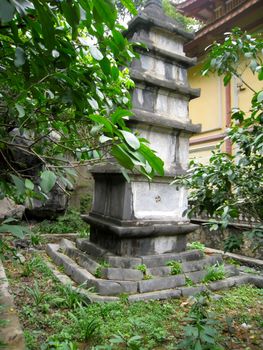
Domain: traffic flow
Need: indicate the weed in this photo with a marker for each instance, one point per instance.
(231, 261)
(214, 273)
(196, 245)
(189, 282)
(143, 269)
(200, 333)
(98, 272)
(36, 294)
(85, 326)
(70, 297)
(130, 343)
(36, 239)
(232, 243)
(57, 345)
(30, 266)
(176, 267)
(68, 223)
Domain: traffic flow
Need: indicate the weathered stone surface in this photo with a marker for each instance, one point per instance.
(256, 281)
(188, 291)
(160, 295)
(121, 274)
(66, 244)
(196, 276)
(162, 259)
(123, 262)
(201, 264)
(228, 283)
(107, 287)
(83, 259)
(161, 283)
(91, 249)
(77, 273)
(159, 271)
(8, 208)
(11, 334)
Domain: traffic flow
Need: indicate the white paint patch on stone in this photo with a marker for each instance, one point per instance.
(183, 151)
(171, 106)
(164, 144)
(140, 96)
(147, 62)
(164, 245)
(158, 201)
(166, 41)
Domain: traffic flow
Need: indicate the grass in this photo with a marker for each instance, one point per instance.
(62, 320)
(70, 222)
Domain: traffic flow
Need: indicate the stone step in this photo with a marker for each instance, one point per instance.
(83, 260)
(161, 259)
(82, 276)
(187, 266)
(113, 273)
(91, 249)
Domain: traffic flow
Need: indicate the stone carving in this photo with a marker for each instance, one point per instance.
(141, 217)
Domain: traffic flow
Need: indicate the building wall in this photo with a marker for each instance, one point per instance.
(210, 108)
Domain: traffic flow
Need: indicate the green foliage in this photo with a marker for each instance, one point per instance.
(70, 222)
(196, 245)
(214, 273)
(233, 242)
(83, 325)
(176, 267)
(200, 333)
(98, 272)
(143, 269)
(64, 95)
(37, 295)
(85, 204)
(189, 24)
(230, 185)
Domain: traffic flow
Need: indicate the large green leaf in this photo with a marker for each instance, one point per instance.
(95, 53)
(107, 11)
(15, 230)
(46, 19)
(122, 156)
(130, 6)
(155, 162)
(19, 183)
(7, 11)
(48, 180)
(131, 139)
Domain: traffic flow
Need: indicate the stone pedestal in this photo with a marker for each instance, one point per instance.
(140, 218)
(138, 230)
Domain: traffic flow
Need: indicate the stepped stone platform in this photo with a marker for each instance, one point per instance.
(111, 275)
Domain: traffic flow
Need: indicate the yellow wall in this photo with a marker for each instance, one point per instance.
(210, 109)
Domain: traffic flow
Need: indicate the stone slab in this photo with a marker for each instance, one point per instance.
(123, 262)
(160, 295)
(243, 259)
(121, 274)
(11, 334)
(190, 291)
(83, 259)
(107, 287)
(196, 276)
(228, 283)
(161, 283)
(66, 243)
(256, 281)
(201, 264)
(72, 269)
(91, 249)
(162, 259)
